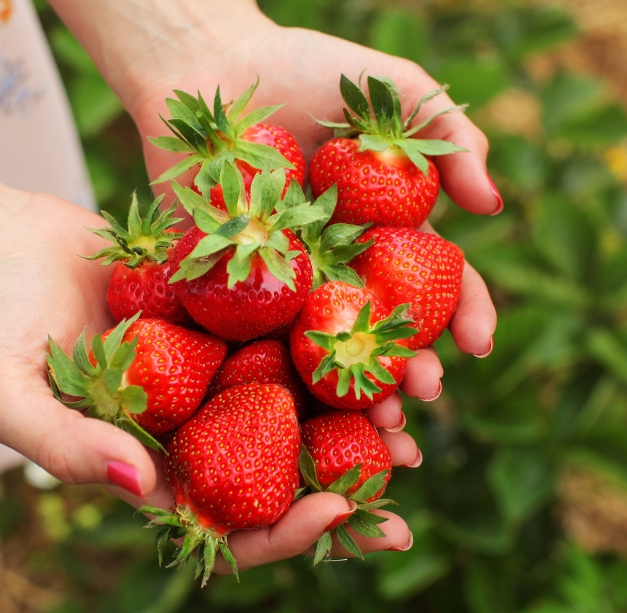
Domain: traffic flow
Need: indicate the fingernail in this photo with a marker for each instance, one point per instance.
(437, 394)
(417, 462)
(398, 427)
(124, 476)
(342, 517)
(486, 353)
(497, 195)
(405, 547)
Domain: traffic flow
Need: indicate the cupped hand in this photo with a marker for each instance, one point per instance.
(302, 68)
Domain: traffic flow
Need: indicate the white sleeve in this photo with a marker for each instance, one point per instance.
(39, 145)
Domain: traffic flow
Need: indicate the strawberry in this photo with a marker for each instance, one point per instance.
(139, 279)
(146, 376)
(345, 455)
(233, 466)
(211, 138)
(405, 265)
(265, 361)
(243, 273)
(348, 348)
(381, 173)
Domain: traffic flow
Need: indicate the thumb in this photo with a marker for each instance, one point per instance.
(77, 449)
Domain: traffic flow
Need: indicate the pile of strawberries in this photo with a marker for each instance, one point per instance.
(248, 347)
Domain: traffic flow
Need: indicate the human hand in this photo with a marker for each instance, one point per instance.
(54, 292)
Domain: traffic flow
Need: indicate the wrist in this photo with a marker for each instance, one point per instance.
(143, 46)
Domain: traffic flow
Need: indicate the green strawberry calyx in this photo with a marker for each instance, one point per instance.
(248, 227)
(99, 389)
(379, 124)
(206, 542)
(145, 238)
(331, 247)
(363, 521)
(212, 137)
(355, 352)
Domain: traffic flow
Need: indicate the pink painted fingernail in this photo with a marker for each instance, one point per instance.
(417, 462)
(435, 396)
(398, 427)
(405, 547)
(342, 517)
(497, 195)
(124, 476)
(486, 353)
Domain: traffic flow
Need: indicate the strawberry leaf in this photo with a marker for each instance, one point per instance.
(368, 489)
(133, 398)
(362, 383)
(347, 541)
(348, 479)
(124, 422)
(240, 103)
(171, 143)
(342, 273)
(354, 98)
(364, 527)
(278, 267)
(307, 468)
(239, 265)
(323, 548)
(362, 323)
(179, 168)
(257, 116)
(261, 156)
(385, 106)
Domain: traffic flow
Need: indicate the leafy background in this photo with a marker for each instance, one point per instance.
(521, 503)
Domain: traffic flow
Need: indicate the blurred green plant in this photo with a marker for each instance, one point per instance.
(487, 508)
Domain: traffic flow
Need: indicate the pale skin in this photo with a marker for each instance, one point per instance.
(145, 49)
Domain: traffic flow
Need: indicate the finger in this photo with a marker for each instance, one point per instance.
(403, 449)
(78, 449)
(464, 176)
(303, 524)
(423, 376)
(474, 321)
(388, 414)
(397, 537)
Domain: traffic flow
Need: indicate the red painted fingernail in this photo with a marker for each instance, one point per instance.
(486, 353)
(342, 517)
(400, 425)
(406, 547)
(497, 195)
(417, 462)
(437, 395)
(124, 476)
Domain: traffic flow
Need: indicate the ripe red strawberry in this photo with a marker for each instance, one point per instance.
(144, 375)
(348, 348)
(141, 252)
(233, 466)
(345, 455)
(243, 273)
(382, 174)
(340, 440)
(210, 138)
(405, 265)
(265, 361)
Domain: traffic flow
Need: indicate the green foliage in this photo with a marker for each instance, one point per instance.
(501, 438)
